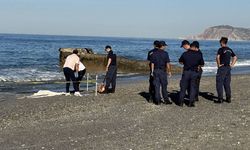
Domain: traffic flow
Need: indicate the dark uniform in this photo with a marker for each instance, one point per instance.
(160, 58)
(151, 78)
(199, 80)
(191, 60)
(223, 77)
(112, 72)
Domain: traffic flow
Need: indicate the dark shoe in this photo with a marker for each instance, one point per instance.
(110, 91)
(150, 100)
(219, 101)
(158, 103)
(167, 102)
(197, 99)
(181, 104)
(191, 104)
(228, 100)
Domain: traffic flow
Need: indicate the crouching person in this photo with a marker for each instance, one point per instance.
(71, 64)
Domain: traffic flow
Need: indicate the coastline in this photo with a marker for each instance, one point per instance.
(125, 120)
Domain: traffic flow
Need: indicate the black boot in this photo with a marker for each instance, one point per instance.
(219, 101)
(150, 99)
(157, 103)
(181, 103)
(191, 104)
(167, 102)
(197, 99)
(228, 100)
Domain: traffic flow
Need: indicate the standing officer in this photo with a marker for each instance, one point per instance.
(111, 70)
(159, 62)
(191, 60)
(196, 46)
(223, 77)
(151, 78)
(186, 46)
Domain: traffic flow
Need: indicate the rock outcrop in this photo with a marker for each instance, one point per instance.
(95, 63)
(216, 32)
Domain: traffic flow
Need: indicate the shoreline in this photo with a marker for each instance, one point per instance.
(30, 87)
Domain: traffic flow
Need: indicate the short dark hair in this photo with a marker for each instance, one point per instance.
(224, 40)
(185, 42)
(75, 51)
(156, 43)
(196, 44)
(108, 46)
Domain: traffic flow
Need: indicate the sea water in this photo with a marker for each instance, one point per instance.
(35, 58)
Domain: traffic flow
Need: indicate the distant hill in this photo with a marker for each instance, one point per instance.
(216, 32)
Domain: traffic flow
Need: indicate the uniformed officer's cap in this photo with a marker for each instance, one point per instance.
(195, 44)
(184, 42)
(162, 43)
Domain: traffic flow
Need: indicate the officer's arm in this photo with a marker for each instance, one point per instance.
(169, 69)
(148, 58)
(202, 62)
(109, 62)
(234, 60)
(152, 67)
(181, 61)
(218, 61)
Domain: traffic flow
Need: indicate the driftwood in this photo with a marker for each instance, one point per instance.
(95, 63)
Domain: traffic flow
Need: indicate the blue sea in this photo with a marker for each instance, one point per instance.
(35, 58)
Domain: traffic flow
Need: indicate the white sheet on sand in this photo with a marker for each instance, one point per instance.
(45, 93)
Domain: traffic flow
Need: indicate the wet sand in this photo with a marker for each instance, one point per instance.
(125, 120)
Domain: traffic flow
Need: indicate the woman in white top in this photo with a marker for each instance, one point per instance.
(71, 64)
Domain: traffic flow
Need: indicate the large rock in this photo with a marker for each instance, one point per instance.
(95, 63)
(216, 32)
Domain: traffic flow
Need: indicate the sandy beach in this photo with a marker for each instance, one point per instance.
(125, 120)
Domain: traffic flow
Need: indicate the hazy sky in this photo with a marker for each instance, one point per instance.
(129, 18)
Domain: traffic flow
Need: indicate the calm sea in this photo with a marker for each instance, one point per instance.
(28, 58)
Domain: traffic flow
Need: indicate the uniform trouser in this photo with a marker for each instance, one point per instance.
(151, 86)
(189, 78)
(188, 89)
(160, 82)
(70, 76)
(80, 76)
(111, 77)
(198, 83)
(223, 78)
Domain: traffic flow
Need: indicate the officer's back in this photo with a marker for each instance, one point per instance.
(160, 61)
(191, 60)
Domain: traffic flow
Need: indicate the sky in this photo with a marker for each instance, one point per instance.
(121, 18)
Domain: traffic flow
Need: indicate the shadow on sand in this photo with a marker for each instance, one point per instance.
(208, 96)
(145, 95)
(174, 96)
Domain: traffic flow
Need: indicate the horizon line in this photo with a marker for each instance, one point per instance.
(102, 36)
